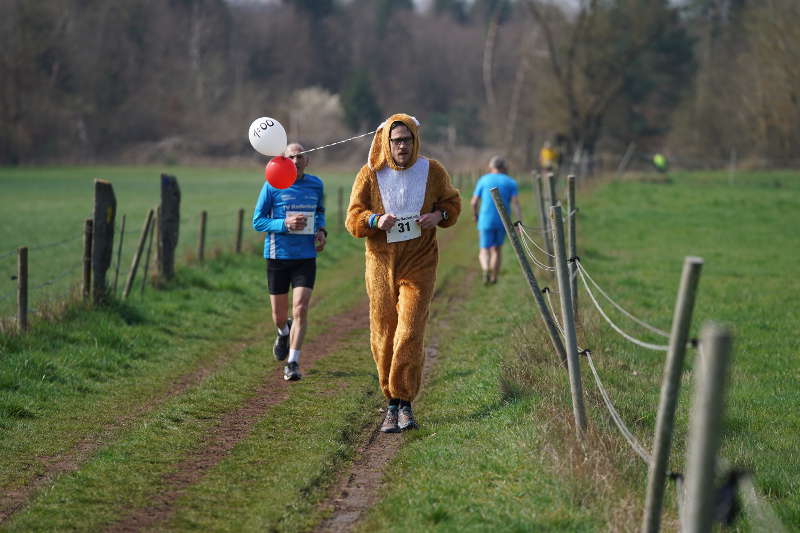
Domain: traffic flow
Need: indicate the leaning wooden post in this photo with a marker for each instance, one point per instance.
(568, 320)
(704, 427)
(526, 269)
(544, 221)
(119, 253)
(670, 387)
(239, 226)
(572, 245)
(167, 231)
(201, 242)
(147, 257)
(136, 256)
(105, 210)
(22, 288)
(87, 259)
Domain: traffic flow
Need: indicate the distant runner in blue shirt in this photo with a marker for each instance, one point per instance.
(490, 227)
(294, 222)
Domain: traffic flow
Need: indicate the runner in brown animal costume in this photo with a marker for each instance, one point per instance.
(397, 201)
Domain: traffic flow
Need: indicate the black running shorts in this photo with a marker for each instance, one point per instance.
(297, 272)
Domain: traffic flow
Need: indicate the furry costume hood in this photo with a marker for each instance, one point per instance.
(380, 153)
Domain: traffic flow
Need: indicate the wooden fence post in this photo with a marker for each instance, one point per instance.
(105, 210)
(22, 288)
(544, 221)
(119, 253)
(136, 256)
(670, 388)
(87, 259)
(146, 268)
(573, 364)
(201, 242)
(239, 227)
(572, 246)
(526, 269)
(168, 228)
(711, 367)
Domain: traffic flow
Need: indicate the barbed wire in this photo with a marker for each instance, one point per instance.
(41, 246)
(59, 277)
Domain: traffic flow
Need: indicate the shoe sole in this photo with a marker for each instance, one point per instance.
(391, 430)
(293, 377)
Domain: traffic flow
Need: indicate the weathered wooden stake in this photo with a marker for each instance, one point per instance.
(670, 388)
(567, 319)
(105, 210)
(544, 220)
(119, 253)
(239, 227)
(147, 257)
(22, 288)
(201, 242)
(136, 256)
(572, 245)
(87, 259)
(526, 269)
(168, 229)
(704, 427)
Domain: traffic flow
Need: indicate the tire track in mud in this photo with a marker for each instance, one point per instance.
(15, 499)
(360, 486)
(237, 425)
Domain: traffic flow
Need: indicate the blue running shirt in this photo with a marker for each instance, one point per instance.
(488, 217)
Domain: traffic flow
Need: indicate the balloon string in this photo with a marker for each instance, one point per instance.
(339, 142)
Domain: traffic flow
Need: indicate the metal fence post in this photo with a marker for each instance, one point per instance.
(572, 245)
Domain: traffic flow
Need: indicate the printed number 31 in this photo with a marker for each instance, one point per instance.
(404, 226)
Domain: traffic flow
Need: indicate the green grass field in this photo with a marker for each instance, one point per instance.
(496, 450)
(44, 209)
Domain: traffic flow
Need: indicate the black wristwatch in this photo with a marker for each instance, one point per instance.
(444, 215)
(324, 231)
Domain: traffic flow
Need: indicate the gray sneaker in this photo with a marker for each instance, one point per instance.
(291, 372)
(281, 347)
(390, 422)
(405, 418)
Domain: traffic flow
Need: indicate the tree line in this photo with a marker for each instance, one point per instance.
(87, 80)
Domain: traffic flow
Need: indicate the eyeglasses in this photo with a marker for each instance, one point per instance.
(295, 156)
(397, 141)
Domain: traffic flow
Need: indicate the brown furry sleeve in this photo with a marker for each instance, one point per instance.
(361, 204)
(448, 197)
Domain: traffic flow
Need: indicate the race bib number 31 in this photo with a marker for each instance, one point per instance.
(405, 228)
(309, 229)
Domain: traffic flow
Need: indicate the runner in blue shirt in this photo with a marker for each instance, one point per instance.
(294, 222)
(490, 227)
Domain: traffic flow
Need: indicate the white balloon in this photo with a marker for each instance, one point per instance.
(267, 136)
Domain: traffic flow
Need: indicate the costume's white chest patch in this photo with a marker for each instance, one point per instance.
(403, 191)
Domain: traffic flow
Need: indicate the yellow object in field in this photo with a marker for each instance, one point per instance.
(548, 157)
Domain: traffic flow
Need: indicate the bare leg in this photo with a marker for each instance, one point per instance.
(483, 259)
(280, 308)
(494, 262)
(301, 298)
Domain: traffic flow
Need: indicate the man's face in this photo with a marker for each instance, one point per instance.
(300, 160)
(401, 143)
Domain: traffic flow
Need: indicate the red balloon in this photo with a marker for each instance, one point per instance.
(280, 172)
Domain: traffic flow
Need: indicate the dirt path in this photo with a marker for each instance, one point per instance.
(358, 488)
(13, 500)
(237, 425)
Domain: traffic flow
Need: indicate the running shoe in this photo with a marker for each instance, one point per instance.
(405, 418)
(390, 422)
(291, 372)
(281, 347)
